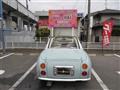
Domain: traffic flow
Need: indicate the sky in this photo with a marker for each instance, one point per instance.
(80, 5)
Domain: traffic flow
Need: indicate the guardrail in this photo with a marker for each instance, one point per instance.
(41, 45)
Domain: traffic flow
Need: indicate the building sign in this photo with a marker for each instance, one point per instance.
(63, 18)
(43, 22)
(1, 10)
(80, 14)
(107, 30)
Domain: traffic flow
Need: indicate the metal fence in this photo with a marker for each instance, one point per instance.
(98, 45)
(41, 45)
(27, 45)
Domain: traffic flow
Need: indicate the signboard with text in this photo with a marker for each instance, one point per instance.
(63, 18)
(107, 30)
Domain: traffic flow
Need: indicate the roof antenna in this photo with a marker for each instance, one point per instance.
(105, 4)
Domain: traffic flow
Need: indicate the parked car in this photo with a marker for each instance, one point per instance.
(63, 60)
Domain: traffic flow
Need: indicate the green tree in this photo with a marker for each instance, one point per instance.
(42, 32)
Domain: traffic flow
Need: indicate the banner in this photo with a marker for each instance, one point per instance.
(107, 30)
(63, 18)
(1, 10)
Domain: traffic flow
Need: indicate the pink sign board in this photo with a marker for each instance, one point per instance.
(63, 18)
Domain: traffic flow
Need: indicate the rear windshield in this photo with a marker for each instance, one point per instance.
(64, 42)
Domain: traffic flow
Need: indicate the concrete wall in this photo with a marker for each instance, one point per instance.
(23, 36)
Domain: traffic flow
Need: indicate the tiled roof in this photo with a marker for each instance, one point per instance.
(106, 11)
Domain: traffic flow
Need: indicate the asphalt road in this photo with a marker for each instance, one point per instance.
(107, 68)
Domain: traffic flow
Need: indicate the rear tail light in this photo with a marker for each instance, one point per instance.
(42, 66)
(84, 66)
(84, 73)
(43, 73)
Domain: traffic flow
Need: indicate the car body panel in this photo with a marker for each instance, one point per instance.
(64, 64)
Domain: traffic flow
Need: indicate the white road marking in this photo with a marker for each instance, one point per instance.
(92, 55)
(108, 54)
(6, 55)
(2, 72)
(99, 80)
(19, 54)
(33, 54)
(117, 55)
(118, 72)
(23, 77)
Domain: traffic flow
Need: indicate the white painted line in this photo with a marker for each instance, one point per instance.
(33, 54)
(99, 80)
(118, 72)
(6, 55)
(92, 54)
(23, 77)
(19, 54)
(117, 55)
(108, 54)
(2, 72)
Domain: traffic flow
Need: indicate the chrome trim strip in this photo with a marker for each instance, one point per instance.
(79, 43)
(47, 43)
(76, 43)
(52, 79)
(63, 66)
(51, 42)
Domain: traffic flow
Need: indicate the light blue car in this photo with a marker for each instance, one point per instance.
(63, 60)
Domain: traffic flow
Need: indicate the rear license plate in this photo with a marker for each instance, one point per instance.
(63, 71)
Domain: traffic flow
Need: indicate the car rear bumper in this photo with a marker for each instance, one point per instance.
(68, 80)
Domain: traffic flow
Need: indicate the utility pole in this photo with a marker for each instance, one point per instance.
(28, 15)
(105, 4)
(27, 4)
(88, 23)
(2, 31)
